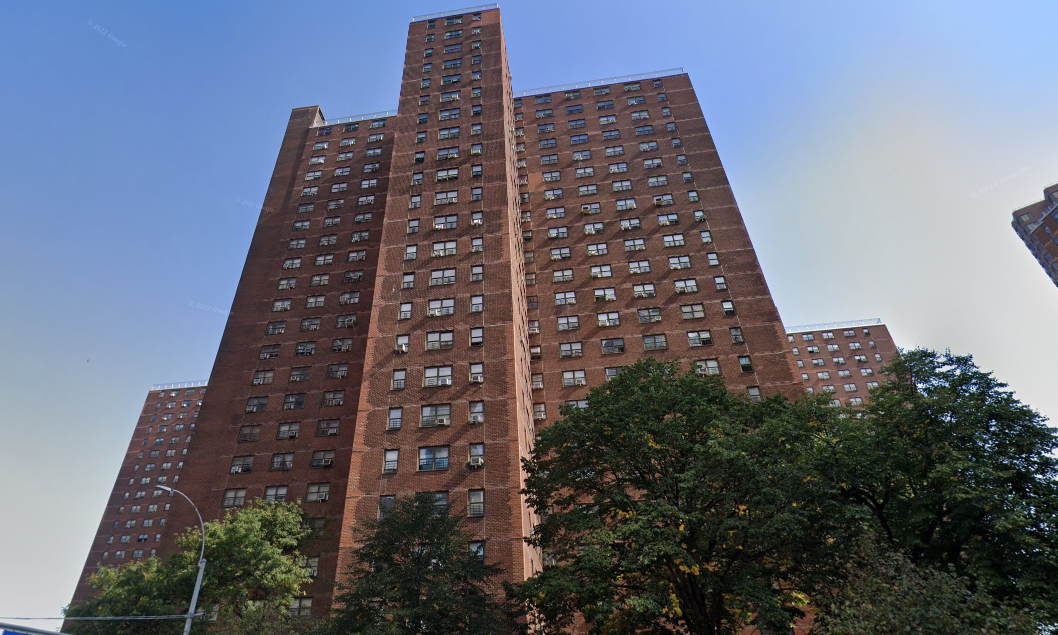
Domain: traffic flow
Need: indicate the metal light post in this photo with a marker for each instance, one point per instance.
(201, 559)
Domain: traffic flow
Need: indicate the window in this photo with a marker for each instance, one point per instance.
(649, 315)
(558, 232)
(399, 378)
(593, 228)
(444, 306)
(256, 404)
(745, 364)
(570, 349)
(560, 253)
(477, 273)
(707, 367)
(433, 458)
(318, 493)
(239, 465)
(577, 123)
(569, 323)
(477, 303)
(561, 275)
(587, 190)
(686, 286)
(590, 208)
(294, 402)
(601, 271)
(396, 416)
(444, 248)
(436, 415)
(615, 151)
(552, 195)
(736, 335)
(597, 249)
(390, 461)
(232, 498)
(728, 307)
(622, 186)
(634, 244)
(613, 346)
(608, 294)
(563, 298)
(578, 139)
(573, 378)
(645, 290)
(608, 319)
(437, 376)
(300, 373)
(604, 105)
(314, 301)
(679, 262)
(692, 311)
(282, 462)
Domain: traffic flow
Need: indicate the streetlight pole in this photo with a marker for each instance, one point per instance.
(201, 559)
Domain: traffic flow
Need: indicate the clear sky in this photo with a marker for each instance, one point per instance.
(876, 149)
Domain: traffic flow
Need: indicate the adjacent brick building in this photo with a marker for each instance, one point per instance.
(843, 359)
(135, 518)
(426, 286)
(1037, 225)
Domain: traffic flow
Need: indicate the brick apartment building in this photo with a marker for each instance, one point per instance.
(842, 359)
(136, 515)
(1037, 225)
(426, 286)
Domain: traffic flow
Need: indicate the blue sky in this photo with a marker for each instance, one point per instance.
(876, 150)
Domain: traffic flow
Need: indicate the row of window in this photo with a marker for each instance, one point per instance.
(434, 415)
(359, 217)
(300, 373)
(288, 431)
(847, 387)
(843, 373)
(651, 163)
(840, 359)
(578, 109)
(314, 493)
(832, 347)
(613, 151)
(282, 462)
(296, 401)
(598, 92)
(829, 335)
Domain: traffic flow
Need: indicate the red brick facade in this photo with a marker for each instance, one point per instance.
(464, 267)
(1037, 226)
(136, 516)
(842, 359)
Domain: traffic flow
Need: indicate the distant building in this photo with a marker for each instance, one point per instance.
(1037, 225)
(842, 359)
(135, 516)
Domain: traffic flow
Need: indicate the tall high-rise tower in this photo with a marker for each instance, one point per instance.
(1037, 226)
(426, 286)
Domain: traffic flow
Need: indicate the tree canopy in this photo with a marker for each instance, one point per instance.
(670, 504)
(252, 562)
(418, 571)
(952, 470)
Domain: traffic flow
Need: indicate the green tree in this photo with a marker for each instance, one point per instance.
(672, 505)
(252, 557)
(884, 592)
(951, 470)
(415, 573)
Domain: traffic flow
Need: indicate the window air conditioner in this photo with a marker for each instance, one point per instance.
(476, 461)
(477, 378)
